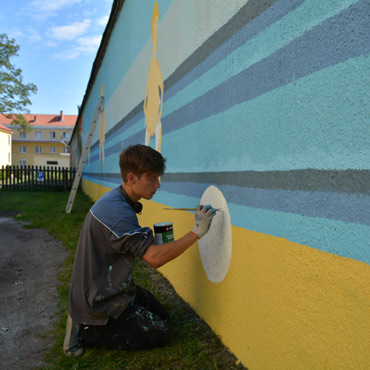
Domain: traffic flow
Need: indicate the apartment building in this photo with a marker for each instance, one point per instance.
(46, 144)
(5, 145)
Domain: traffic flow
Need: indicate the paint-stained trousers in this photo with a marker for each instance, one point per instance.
(144, 324)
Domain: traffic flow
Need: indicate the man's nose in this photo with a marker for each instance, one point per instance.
(157, 184)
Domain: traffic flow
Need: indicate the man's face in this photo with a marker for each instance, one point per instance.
(146, 186)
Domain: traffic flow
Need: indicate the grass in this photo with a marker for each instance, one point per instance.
(193, 345)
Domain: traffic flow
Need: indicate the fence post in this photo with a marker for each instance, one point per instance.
(12, 177)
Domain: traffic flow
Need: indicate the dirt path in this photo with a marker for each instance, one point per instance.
(29, 263)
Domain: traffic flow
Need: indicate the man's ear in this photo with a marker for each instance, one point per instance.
(131, 178)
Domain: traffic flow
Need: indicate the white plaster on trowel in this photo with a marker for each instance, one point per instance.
(215, 247)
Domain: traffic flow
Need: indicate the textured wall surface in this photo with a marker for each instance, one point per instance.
(269, 102)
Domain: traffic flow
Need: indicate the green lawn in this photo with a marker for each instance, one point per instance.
(193, 345)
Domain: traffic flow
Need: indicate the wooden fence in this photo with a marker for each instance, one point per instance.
(36, 178)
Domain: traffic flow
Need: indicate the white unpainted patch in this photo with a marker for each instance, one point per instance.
(215, 247)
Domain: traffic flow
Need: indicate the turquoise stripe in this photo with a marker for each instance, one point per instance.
(306, 124)
(307, 16)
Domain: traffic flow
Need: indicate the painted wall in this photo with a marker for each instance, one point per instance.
(268, 101)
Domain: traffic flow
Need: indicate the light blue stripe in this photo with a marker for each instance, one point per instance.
(319, 121)
(310, 14)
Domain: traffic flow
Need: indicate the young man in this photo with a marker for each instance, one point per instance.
(106, 308)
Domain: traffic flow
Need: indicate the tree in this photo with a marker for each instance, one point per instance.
(14, 94)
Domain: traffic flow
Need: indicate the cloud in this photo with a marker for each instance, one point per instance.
(67, 55)
(71, 31)
(88, 44)
(103, 20)
(42, 9)
(33, 35)
(85, 45)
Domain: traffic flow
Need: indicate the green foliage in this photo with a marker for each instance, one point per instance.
(193, 345)
(14, 94)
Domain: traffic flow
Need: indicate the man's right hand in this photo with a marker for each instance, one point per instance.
(203, 219)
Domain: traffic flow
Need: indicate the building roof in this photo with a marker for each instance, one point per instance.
(51, 120)
(4, 128)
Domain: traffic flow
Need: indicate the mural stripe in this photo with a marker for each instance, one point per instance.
(348, 181)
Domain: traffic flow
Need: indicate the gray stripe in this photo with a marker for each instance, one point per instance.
(347, 181)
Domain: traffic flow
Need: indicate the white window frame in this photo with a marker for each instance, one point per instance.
(52, 149)
(22, 135)
(22, 162)
(38, 149)
(52, 135)
(22, 149)
(38, 135)
(66, 149)
(66, 135)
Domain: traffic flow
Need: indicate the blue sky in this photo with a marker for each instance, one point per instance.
(58, 43)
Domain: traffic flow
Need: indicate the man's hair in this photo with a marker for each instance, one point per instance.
(140, 159)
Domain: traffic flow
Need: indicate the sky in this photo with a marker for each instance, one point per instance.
(58, 42)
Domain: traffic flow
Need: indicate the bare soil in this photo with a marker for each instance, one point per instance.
(29, 263)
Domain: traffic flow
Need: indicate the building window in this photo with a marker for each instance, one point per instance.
(52, 149)
(52, 135)
(38, 135)
(22, 162)
(66, 135)
(38, 149)
(22, 149)
(66, 149)
(22, 135)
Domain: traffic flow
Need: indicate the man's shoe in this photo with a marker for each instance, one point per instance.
(71, 345)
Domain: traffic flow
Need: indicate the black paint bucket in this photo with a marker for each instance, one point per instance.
(163, 232)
